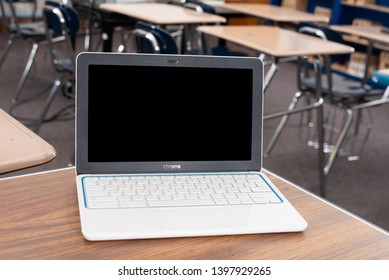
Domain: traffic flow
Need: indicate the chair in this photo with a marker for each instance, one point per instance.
(60, 21)
(339, 91)
(149, 38)
(32, 31)
(194, 42)
(93, 22)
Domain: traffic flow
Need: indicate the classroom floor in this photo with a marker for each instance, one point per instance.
(360, 186)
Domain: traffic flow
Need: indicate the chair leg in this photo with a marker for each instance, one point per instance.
(88, 37)
(282, 123)
(8, 47)
(26, 71)
(306, 121)
(339, 142)
(124, 37)
(49, 100)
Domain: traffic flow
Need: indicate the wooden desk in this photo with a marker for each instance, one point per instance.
(280, 43)
(274, 41)
(372, 34)
(20, 147)
(39, 220)
(161, 14)
(107, 21)
(275, 13)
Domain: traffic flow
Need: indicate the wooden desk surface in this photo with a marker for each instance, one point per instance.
(368, 32)
(274, 13)
(275, 41)
(39, 220)
(159, 13)
(20, 147)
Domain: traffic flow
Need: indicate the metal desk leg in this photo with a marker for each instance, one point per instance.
(107, 34)
(270, 74)
(368, 59)
(320, 125)
(320, 133)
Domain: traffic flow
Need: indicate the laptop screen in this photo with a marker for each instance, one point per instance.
(150, 114)
(139, 113)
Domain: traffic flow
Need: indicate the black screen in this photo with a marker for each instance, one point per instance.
(139, 114)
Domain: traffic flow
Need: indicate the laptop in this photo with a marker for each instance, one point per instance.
(164, 141)
(20, 147)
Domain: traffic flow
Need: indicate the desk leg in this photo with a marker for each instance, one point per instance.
(107, 34)
(369, 52)
(270, 74)
(320, 125)
(320, 133)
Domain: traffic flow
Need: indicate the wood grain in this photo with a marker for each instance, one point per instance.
(275, 41)
(39, 220)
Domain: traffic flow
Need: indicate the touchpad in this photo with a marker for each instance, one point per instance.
(190, 218)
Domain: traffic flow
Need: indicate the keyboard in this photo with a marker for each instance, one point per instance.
(176, 190)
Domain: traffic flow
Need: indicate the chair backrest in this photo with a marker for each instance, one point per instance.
(61, 21)
(199, 6)
(153, 39)
(324, 33)
(71, 17)
(194, 42)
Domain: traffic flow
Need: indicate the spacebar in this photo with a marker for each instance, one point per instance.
(174, 203)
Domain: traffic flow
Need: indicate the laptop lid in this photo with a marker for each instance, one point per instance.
(153, 113)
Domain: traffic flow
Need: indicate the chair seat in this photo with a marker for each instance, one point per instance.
(381, 77)
(344, 88)
(64, 65)
(29, 29)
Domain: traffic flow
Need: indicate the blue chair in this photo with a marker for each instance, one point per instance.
(194, 42)
(338, 90)
(35, 31)
(61, 21)
(149, 38)
(32, 31)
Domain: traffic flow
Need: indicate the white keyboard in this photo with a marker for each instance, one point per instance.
(178, 190)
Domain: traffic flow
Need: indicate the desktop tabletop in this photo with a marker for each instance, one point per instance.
(373, 32)
(275, 41)
(40, 220)
(274, 13)
(20, 147)
(160, 13)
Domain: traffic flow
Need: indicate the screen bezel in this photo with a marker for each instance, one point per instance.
(83, 60)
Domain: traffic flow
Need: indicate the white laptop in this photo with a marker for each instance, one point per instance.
(171, 146)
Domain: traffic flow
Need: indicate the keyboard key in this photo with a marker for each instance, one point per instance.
(174, 203)
(101, 198)
(97, 193)
(102, 205)
(133, 204)
(221, 201)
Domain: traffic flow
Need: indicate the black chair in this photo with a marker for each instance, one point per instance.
(32, 31)
(149, 38)
(60, 21)
(338, 90)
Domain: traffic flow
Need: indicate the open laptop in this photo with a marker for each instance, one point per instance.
(20, 147)
(163, 142)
